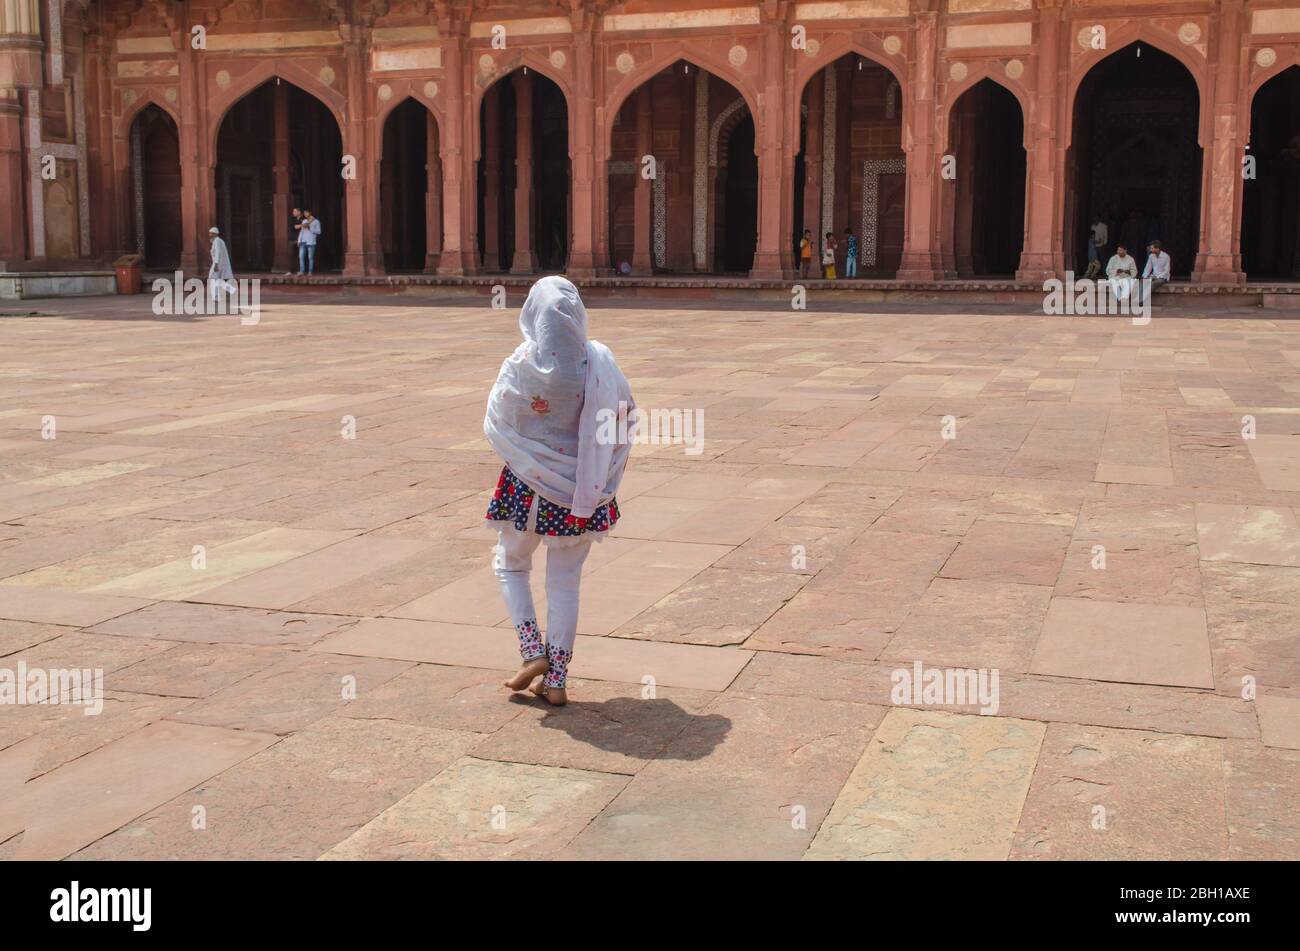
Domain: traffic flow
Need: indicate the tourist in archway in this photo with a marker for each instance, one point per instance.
(1157, 269)
(221, 277)
(1121, 271)
(850, 253)
(308, 235)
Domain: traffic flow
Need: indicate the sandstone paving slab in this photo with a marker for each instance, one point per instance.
(972, 624)
(1262, 801)
(718, 606)
(600, 658)
(19, 635)
(388, 587)
(1153, 520)
(445, 698)
(933, 785)
(1279, 720)
(70, 807)
(932, 511)
(1126, 642)
(62, 732)
(793, 544)
(180, 580)
(750, 778)
(1050, 699)
(194, 670)
(606, 726)
(300, 578)
(1128, 571)
(71, 608)
(1260, 535)
(1015, 553)
(223, 624)
(287, 696)
(1253, 617)
(1124, 795)
(81, 650)
(482, 809)
(293, 800)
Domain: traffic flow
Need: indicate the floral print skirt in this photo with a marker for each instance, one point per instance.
(513, 499)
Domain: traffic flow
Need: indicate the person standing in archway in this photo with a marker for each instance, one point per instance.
(828, 256)
(308, 232)
(850, 253)
(805, 253)
(1098, 238)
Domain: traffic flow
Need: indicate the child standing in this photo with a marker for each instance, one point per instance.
(850, 253)
(805, 253)
(828, 257)
(549, 417)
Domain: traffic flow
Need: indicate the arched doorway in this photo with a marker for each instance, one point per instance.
(257, 187)
(1135, 160)
(850, 171)
(984, 205)
(523, 175)
(1270, 219)
(410, 189)
(156, 186)
(694, 209)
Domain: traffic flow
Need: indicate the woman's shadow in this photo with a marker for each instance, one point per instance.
(643, 729)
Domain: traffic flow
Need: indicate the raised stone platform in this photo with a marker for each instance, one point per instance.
(1273, 295)
(25, 285)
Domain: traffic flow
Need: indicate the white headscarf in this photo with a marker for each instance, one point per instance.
(544, 415)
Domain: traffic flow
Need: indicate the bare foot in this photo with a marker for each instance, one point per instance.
(526, 673)
(555, 696)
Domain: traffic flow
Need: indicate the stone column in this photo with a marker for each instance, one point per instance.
(1220, 258)
(770, 128)
(583, 252)
(525, 261)
(491, 152)
(360, 195)
(642, 194)
(812, 165)
(21, 53)
(457, 256)
(432, 197)
(280, 203)
(1042, 256)
(920, 241)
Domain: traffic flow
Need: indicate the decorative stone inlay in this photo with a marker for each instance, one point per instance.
(1085, 37)
(558, 59)
(872, 169)
(431, 89)
(1189, 33)
(892, 45)
(716, 129)
(1266, 57)
(385, 92)
(892, 92)
(737, 55)
(660, 200)
(620, 168)
(958, 71)
(812, 48)
(54, 12)
(171, 95)
(1015, 69)
(830, 90)
(327, 75)
(486, 63)
(129, 97)
(700, 189)
(137, 186)
(223, 79)
(625, 63)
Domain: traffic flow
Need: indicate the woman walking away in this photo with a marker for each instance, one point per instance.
(561, 416)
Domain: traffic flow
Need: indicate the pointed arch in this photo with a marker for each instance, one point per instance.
(219, 106)
(978, 73)
(526, 58)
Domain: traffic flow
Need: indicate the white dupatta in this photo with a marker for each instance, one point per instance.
(556, 401)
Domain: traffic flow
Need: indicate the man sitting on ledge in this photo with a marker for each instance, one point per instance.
(1157, 268)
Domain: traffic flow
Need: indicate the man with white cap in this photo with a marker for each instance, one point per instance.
(220, 276)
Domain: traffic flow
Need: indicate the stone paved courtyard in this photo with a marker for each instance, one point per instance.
(326, 683)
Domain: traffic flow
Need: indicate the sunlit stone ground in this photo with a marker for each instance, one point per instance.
(1098, 533)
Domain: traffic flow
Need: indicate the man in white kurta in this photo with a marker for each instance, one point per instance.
(221, 278)
(1121, 271)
